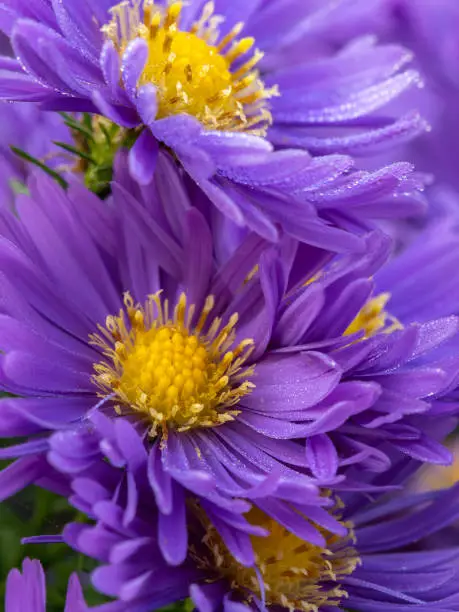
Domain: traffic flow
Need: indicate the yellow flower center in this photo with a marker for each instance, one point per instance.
(198, 72)
(295, 574)
(374, 318)
(178, 371)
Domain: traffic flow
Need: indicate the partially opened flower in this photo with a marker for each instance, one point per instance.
(384, 563)
(26, 591)
(220, 84)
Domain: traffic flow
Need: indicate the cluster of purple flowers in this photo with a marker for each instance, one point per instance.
(228, 311)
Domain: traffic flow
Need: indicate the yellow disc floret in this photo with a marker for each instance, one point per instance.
(373, 318)
(289, 572)
(179, 371)
(197, 72)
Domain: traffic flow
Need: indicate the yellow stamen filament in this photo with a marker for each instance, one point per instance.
(226, 40)
(296, 575)
(198, 71)
(171, 372)
(373, 318)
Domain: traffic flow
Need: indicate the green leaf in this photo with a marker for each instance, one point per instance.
(76, 125)
(87, 120)
(75, 151)
(33, 160)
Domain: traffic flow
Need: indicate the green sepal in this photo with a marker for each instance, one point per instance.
(36, 162)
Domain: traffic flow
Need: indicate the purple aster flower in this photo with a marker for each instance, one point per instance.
(209, 81)
(229, 365)
(90, 274)
(26, 591)
(384, 562)
(217, 61)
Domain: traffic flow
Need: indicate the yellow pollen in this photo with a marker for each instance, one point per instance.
(373, 318)
(296, 574)
(198, 71)
(178, 371)
(436, 477)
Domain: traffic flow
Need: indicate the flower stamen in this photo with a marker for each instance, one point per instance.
(196, 71)
(373, 318)
(289, 572)
(175, 374)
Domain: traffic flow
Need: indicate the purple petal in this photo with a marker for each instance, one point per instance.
(207, 597)
(125, 117)
(297, 382)
(322, 457)
(426, 450)
(26, 591)
(19, 475)
(132, 65)
(172, 530)
(75, 599)
(143, 157)
(160, 481)
(147, 103)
